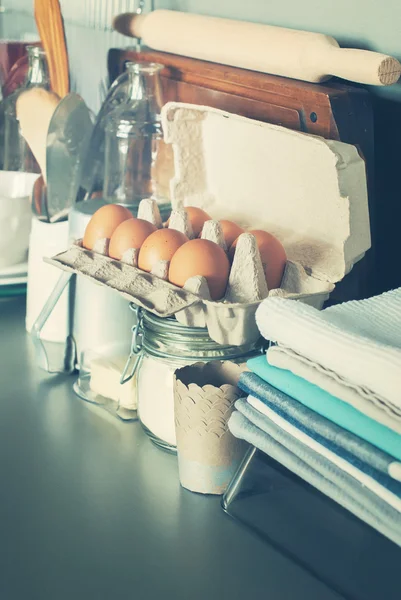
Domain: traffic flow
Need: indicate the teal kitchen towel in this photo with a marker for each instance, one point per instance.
(324, 404)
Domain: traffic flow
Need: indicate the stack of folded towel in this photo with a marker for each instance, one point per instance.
(327, 401)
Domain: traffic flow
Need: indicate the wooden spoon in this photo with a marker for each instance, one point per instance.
(35, 108)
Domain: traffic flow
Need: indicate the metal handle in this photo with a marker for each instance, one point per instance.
(41, 354)
(136, 347)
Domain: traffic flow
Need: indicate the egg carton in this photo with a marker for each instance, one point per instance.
(227, 322)
(309, 192)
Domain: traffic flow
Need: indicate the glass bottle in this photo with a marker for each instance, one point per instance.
(137, 162)
(17, 155)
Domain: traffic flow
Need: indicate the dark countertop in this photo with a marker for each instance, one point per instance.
(91, 509)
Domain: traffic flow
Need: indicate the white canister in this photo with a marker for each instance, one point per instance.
(101, 317)
(15, 216)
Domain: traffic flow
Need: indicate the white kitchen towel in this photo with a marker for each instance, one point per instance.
(360, 398)
(358, 340)
(363, 478)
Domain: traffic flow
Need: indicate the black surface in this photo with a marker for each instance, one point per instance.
(91, 509)
(317, 533)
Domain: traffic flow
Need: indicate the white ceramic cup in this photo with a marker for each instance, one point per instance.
(15, 216)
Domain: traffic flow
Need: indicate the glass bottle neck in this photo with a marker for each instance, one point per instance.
(37, 71)
(144, 91)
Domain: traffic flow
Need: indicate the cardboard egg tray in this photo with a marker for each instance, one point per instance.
(227, 323)
(309, 192)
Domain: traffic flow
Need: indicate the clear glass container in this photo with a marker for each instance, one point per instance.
(166, 345)
(137, 162)
(99, 377)
(17, 155)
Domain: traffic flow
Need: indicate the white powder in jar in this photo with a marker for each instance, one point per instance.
(156, 397)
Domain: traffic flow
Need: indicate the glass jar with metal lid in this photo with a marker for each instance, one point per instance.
(162, 345)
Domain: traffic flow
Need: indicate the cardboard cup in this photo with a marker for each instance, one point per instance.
(204, 397)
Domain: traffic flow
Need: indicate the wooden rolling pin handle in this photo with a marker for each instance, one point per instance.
(129, 24)
(361, 66)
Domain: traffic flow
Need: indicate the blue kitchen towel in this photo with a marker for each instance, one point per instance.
(264, 377)
(261, 415)
(362, 454)
(321, 474)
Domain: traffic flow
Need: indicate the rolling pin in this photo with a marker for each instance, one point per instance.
(313, 57)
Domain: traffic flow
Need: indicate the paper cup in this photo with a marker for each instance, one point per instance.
(204, 397)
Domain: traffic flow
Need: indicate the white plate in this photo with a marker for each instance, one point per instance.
(15, 274)
(13, 280)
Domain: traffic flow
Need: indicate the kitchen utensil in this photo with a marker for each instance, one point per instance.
(35, 108)
(39, 200)
(67, 143)
(303, 55)
(51, 30)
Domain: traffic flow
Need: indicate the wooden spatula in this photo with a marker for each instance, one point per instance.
(35, 108)
(51, 30)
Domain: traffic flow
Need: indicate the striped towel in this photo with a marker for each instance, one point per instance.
(331, 422)
(248, 424)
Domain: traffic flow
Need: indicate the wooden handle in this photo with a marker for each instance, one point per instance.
(50, 26)
(303, 55)
(362, 66)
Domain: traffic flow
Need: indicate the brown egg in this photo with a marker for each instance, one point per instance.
(230, 231)
(129, 234)
(272, 254)
(197, 218)
(201, 257)
(103, 224)
(160, 245)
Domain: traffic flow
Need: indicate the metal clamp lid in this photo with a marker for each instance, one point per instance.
(136, 346)
(65, 362)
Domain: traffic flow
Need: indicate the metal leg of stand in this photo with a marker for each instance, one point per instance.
(235, 482)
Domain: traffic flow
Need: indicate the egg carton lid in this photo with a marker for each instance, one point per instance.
(311, 193)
